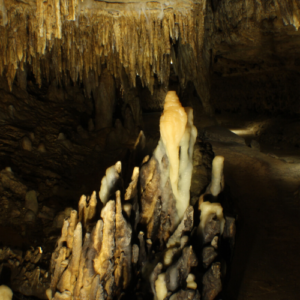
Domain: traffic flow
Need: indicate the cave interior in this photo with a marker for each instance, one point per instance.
(83, 85)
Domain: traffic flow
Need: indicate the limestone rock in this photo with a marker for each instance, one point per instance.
(104, 96)
(61, 137)
(118, 137)
(208, 255)
(190, 280)
(202, 161)
(41, 148)
(139, 243)
(111, 182)
(15, 213)
(91, 125)
(154, 275)
(186, 294)
(185, 226)
(5, 293)
(31, 136)
(47, 213)
(26, 144)
(221, 134)
(255, 145)
(11, 112)
(30, 217)
(83, 134)
(122, 255)
(177, 273)
(215, 240)
(9, 181)
(212, 284)
(211, 228)
(60, 217)
(31, 201)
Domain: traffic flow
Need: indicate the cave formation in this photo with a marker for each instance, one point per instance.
(82, 90)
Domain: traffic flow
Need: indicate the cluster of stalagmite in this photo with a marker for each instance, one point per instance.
(146, 243)
(171, 167)
(71, 38)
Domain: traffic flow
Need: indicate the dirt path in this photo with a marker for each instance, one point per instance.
(266, 263)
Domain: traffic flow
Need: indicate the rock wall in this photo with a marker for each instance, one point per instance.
(268, 92)
(255, 56)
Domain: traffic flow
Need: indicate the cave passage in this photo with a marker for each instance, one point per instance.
(82, 91)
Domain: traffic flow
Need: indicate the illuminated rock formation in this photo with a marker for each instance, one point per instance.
(5, 293)
(144, 244)
(171, 168)
(80, 38)
(110, 260)
(172, 127)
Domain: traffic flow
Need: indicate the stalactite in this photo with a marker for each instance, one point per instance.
(79, 38)
(75, 40)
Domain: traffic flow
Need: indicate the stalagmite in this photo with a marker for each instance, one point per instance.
(71, 228)
(217, 180)
(5, 293)
(174, 155)
(61, 137)
(190, 280)
(208, 209)
(103, 264)
(110, 182)
(172, 127)
(92, 207)
(123, 245)
(131, 191)
(26, 144)
(3, 12)
(41, 148)
(49, 294)
(208, 254)
(82, 208)
(68, 279)
(212, 284)
(161, 287)
(145, 241)
(186, 163)
(177, 273)
(185, 225)
(82, 263)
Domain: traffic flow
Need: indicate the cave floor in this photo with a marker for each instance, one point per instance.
(265, 263)
(266, 188)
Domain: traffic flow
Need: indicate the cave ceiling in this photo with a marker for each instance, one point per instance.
(61, 39)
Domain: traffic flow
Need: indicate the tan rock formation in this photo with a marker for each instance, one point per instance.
(78, 38)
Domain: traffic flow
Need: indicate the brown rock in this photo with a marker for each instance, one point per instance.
(31, 201)
(208, 255)
(211, 228)
(177, 273)
(26, 144)
(212, 284)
